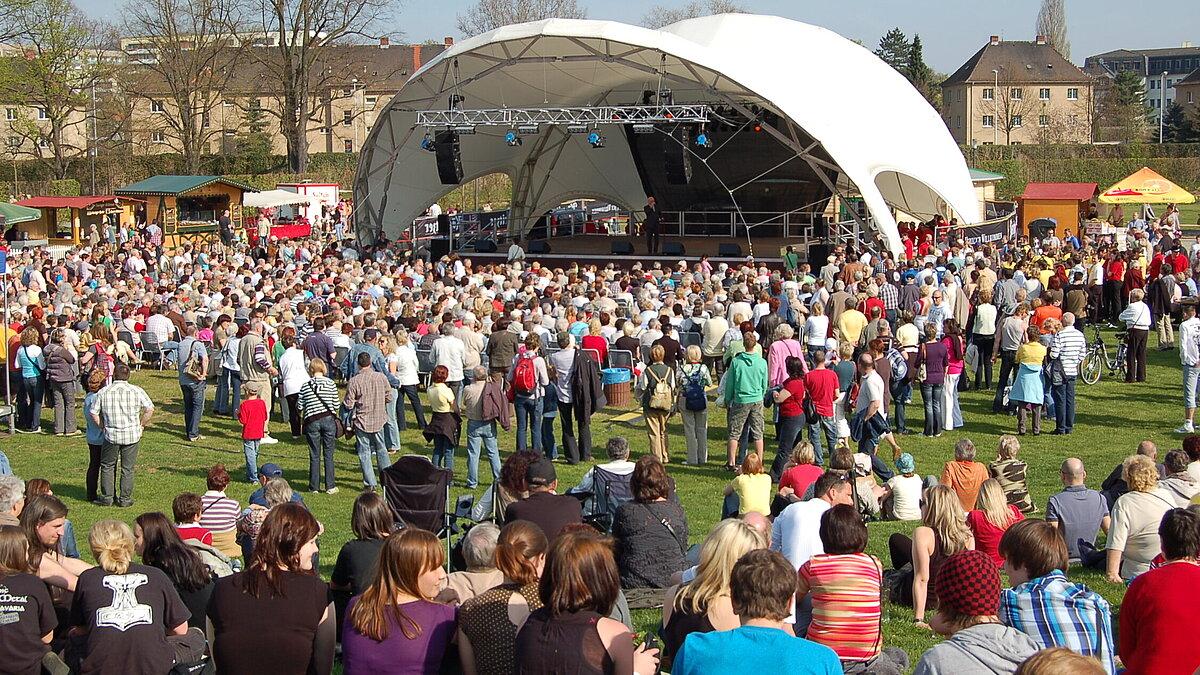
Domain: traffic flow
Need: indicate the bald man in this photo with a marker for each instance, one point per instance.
(1080, 513)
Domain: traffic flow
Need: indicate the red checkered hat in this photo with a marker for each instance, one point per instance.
(969, 584)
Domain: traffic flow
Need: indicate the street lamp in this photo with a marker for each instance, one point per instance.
(995, 107)
(1162, 103)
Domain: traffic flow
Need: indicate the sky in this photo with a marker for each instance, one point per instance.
(951, 30)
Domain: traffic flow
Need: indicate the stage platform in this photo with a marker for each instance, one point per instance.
(598, 249)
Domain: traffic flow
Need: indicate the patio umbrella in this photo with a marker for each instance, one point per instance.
(1146, 186)
(14, 213)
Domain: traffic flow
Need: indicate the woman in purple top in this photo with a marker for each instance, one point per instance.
(394, 628)
(934, 356)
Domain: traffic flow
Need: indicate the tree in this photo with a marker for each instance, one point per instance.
(662, 15)
(1121, 110)
(1011, 106)
(921, 75)
(1052, 22)
(54, 83)
(305, 65)
(195, 58)
(1178, 127)
(895, 49)
(491, 14)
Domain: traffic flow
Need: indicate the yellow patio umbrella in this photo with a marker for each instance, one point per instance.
(1146, 186)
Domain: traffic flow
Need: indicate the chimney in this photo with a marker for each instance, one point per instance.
(416, 49)
(1041, 39)
(449, 42)
(995, 40)
(385, 42)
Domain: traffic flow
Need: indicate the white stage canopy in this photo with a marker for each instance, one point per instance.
(268, 199)
(860, 126)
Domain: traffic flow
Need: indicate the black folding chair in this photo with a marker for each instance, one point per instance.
(419, 495)
(609, 491)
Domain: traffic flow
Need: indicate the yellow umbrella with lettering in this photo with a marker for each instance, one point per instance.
(1146, 186)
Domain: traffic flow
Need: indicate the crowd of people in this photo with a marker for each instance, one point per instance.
(320, 340)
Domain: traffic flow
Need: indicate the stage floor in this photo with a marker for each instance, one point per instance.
(598, 248)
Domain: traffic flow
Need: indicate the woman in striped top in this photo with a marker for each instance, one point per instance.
(845, 584)
(318, 400)
(218, 513)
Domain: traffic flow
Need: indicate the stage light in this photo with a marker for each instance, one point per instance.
(465, 129)
(757, 127)
(577, 128)
(643, 128)
(427, 144)
(596, 139)
(527, 129)
(703, 141)
(512, 138)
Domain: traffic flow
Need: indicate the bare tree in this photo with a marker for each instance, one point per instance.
(301, 67)
(662, 15)
(1052, 22)
(1011, 105)
(193, 58)
(491, 14)
(54, 85)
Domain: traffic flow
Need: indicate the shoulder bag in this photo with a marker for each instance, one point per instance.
(339, 429)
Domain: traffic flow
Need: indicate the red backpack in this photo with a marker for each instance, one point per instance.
(524, 379)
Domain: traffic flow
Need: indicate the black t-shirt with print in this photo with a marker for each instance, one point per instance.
(127, 617)
(26, 614)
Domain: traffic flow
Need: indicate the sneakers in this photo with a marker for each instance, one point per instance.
(332, 491)
(268, 440)
(1186, 428)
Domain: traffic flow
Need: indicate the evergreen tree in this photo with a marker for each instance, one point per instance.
(894, 49)
(1122, 113)
(1178, 127)
(921, 75)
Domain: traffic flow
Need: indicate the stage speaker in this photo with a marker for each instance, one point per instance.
(443, 221)
(449, 158)
(539, 246)
(439, 248)
(818, 253)
(485, 246)
(678, 161)
(820, 227)
(622, 248)
(672, 248)
(729, 251)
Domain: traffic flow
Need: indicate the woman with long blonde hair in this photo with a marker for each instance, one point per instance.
(395, 624)
(702, 605)
(942, 533)
(993, 516)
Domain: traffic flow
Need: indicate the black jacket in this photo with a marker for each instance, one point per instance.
(587, 387)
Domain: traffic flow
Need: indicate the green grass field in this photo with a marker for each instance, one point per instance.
(1112, 418)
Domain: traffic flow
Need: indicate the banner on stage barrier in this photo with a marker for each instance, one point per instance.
(988, 232)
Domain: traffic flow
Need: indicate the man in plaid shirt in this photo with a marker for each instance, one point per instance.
(122, 410)
(368, 395)
(890, 296)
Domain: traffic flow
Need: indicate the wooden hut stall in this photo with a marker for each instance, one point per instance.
(1067, 204)
(188, 207)
(66, 220)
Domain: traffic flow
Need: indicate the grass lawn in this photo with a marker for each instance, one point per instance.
(1112, 418)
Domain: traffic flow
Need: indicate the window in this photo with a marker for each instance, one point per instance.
(989, 121)
(255, 104)
(14, 142)
(1044, 94)
(204, 121)
(42, 114)
(988, 93)
(370, 102)
(1073, 119)
(1043, 120)
(157, 137)
(1073, 94)
(1016, 93)
(1154, 84)
(43, 142)
(347, 118)
(10, 114)
(156, 106)
(1190, 96)
(1016, 121)
(348, 145)
(226, 103)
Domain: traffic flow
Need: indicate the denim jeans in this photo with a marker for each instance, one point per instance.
(366, 442)
(549, 444)
(790, 429)
(321, 444)
(931, 396)
(62, 396)
(1064, 406)
(529, 412)
(250, 450)
(110, 454)
(480, 433)
(233, 383)
(413, 395)
(33, 392)
(170, 350)
(193, 406)
(443, 453)
(391, 430)
(825, 427)
(900, 398)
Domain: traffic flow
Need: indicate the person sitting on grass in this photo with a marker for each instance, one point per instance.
(762, 590)
(964, 474)
(1011, 471)
(904, 496)
(750, 489)
(187, 508)
(991, 519)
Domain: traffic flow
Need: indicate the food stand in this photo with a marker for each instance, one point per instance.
(80, 212)
(188, 207)
(12, 215)
(1067, 204)
(271, 203)
(323, 194)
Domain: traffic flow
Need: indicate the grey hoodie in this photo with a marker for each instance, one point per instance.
(986, 649)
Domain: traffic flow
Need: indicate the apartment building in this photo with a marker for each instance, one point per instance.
(1018, 92)
(1160, 70)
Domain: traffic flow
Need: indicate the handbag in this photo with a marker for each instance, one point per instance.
(339, 429)
(922, 370)
(193, 367)
(810, 409)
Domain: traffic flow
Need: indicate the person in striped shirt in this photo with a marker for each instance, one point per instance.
(1043, 603)
(218, 512)
(1068, 347)
(845, 586)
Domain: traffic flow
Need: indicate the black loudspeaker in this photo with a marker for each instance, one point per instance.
(539, 246)
(443, 221)
(820, 227)
(622, 248)
(818, 254)
(672, 248)
(729, 251)
(439, 248)
(678, 161)
(485, 246)
(449, 159)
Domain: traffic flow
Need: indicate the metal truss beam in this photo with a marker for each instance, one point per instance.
(590, 115)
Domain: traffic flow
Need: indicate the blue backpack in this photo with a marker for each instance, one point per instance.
(694, 398)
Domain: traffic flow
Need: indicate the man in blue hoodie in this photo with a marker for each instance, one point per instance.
(745, 388)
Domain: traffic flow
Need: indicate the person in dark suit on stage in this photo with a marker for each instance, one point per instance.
(651, 226)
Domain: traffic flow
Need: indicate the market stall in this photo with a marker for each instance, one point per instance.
(269, 203)
(67, 220)
(188, 207)
(1067, 204)
(1146, 186)
(12, 215)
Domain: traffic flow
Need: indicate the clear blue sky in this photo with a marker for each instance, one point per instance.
(952, 30)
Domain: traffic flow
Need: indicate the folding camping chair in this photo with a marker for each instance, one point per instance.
(419, 495)
(609, 491)
(152, 350)
(620, 358)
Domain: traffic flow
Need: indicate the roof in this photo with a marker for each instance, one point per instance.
(981, 176)
(175, 185)
(1018, 62)
(67, 202)
(1139, 53)
(1078, 192)
(1193, 78)
(911, 162)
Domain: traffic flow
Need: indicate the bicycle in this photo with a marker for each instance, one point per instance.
(1096, 358)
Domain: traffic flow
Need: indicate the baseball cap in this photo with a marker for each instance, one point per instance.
(271, 470)
(370, 334)
(540, 472)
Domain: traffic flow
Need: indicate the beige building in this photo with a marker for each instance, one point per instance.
(1012, 93)
(1187, 94)
(28, 132)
